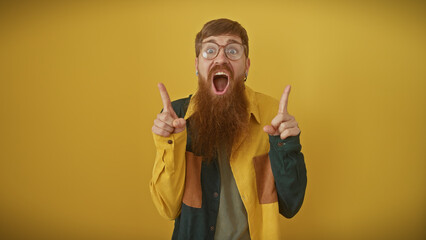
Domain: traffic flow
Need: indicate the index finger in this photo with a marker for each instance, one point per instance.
(167, 104)
(284, 100)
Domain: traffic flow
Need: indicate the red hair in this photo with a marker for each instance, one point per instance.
(218, 27)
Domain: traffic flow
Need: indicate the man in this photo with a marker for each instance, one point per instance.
(227, 163)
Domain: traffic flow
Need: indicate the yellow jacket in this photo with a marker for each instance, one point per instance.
(270, 174)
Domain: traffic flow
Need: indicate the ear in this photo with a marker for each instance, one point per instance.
(247, 65)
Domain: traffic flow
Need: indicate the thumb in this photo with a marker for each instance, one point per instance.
(269, 129)
(179, 124)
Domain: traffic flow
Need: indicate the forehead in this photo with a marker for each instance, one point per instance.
(223, 39)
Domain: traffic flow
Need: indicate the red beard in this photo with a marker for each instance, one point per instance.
(218, 120)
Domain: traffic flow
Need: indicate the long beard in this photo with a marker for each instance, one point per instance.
(218, 120)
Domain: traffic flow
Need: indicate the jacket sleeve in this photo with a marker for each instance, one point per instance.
(168, 176)
(289, 170)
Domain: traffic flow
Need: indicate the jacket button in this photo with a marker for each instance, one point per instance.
(280, 144)
(215, 194)
(212, 228)
(170, 142)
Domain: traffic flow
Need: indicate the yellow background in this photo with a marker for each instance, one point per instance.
(78, 99)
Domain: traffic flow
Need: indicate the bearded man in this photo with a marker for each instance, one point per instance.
(227, 163)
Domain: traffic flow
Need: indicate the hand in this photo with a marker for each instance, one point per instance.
(167, 122)
(283, 124)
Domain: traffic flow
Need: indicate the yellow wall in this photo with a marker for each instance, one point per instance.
(78, 98)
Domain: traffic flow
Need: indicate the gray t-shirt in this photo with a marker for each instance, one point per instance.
(232, 217)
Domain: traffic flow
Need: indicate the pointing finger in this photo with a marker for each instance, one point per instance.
(284, 100)
(167, 104)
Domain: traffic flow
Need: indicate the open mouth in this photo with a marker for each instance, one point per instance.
(220, 82)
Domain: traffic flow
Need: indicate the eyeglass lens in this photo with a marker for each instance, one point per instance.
(233, 51)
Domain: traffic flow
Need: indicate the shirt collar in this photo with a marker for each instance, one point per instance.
(253, 108)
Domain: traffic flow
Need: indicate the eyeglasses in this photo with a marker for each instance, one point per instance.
(233, 51)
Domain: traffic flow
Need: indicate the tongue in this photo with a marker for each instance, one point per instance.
(220, 83)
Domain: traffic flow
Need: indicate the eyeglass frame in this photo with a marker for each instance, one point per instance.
(224, 46)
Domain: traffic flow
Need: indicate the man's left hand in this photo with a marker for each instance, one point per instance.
(283, 124)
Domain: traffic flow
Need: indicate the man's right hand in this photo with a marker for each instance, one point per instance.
(167, 122)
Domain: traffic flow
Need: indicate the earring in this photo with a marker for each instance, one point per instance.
(245, 79)
(196, 72)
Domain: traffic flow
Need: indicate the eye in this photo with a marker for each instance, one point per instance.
(233, 51)
(210, 51)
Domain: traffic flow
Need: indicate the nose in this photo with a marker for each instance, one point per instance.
(221, 57)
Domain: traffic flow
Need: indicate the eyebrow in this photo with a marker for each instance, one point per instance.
(227, 42)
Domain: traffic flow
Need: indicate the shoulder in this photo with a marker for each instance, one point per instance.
(260, 98)
(268, 106)
(266, 100)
